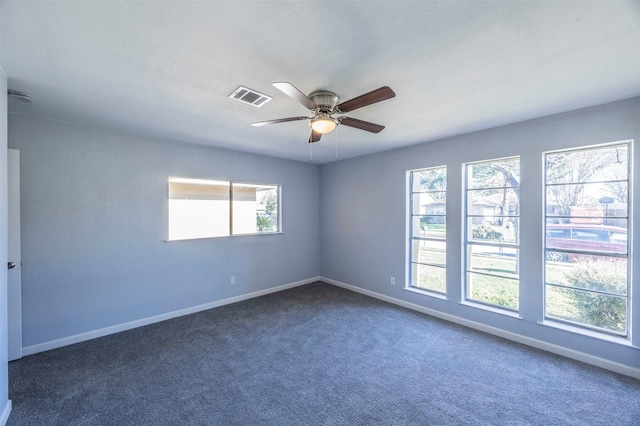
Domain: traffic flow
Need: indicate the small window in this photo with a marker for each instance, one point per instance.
(255, 208)
(205, 208)
(428, 229)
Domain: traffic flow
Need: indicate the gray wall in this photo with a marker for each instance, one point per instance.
(94, 225)
(364, 216)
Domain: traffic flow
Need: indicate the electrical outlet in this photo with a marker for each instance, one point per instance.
(233, 280)
(393, 280)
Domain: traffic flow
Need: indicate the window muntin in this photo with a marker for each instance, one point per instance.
(587, 272)
(492, 229)
(201, 208)
(427, 233)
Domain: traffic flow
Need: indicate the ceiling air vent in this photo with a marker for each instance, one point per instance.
(249, 96)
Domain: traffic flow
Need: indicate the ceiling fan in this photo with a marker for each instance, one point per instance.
(324, 105)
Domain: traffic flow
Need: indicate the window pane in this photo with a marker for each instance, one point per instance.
(588, 165)
(427, 203)
(493, 202)
(598, 203)
(587, 308)
(429, 227)
(580, 238)
(494, 174)
(430, 180)
(496, 229)
(493, 290)
(428, 277)
(255, 209)
(198, 209)
(494, 260)
(599, 273)
(426, 251)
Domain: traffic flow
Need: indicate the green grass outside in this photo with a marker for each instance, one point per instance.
(498, 289)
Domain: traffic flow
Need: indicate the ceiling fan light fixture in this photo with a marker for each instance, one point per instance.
(323, 124)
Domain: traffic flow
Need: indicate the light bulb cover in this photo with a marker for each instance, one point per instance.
(323, 124)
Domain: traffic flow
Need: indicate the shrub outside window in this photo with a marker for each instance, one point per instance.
(492, 202)
(428, 191)
(201, 208)
(586, 238)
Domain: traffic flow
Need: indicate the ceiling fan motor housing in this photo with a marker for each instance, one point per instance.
(325, 100)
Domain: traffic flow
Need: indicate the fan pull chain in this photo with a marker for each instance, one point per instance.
(337, 143)
(310, 152)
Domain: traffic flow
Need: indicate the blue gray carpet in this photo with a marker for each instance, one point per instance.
(313, 355)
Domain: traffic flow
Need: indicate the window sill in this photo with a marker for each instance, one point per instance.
(426, 292)
(620, 340)
(223, 236)
(493, 309)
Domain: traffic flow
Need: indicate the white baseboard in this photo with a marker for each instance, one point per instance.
(4, 416)
(58, 343)
(529, 341)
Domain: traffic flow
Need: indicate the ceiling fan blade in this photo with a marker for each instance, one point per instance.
(315, 136)
(362, 125)
(372, 97)
(291, 90)
(278, 120)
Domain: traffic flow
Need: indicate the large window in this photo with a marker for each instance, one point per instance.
(205, 208)
(586, 238)
(492, 233)
(428, 190)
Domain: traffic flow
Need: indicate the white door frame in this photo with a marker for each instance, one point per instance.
(14, 274)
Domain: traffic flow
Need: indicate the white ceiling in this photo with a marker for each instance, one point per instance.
(165, 69)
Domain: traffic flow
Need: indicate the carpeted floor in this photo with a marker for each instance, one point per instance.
(313, 355)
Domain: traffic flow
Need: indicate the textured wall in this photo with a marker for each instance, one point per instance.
(94, 225)
(363, 216)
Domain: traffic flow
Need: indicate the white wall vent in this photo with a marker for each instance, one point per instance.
(249, 96)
